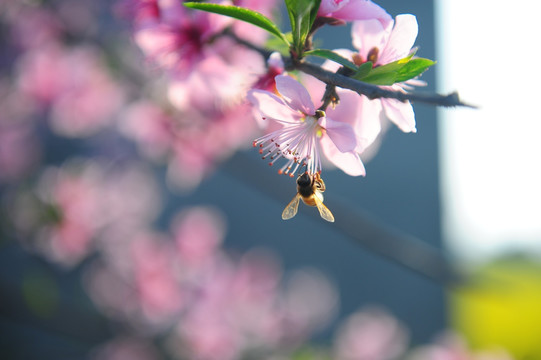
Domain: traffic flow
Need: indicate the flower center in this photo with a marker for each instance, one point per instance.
(298, 143)
(373, 55)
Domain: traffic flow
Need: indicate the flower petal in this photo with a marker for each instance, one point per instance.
(341, 134)
(348, 162)
(368, 122)
(295, 95)
(401, 40)
(362, 10)
(327, 7)
(271, 106)
(334, 66)
(349, 108)
(400, 113)
(369, 34)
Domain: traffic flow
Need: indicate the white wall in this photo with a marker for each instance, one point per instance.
(489, 51)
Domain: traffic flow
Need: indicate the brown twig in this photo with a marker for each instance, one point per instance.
(374, 91)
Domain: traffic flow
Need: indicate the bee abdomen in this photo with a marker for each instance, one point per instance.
(309, 200)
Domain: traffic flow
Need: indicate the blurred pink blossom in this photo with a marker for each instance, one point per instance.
(370, 334)
(76, 204)
(178, 38)
(198, 233)
(140, 284)
(205, 139)
(151, 127)
(75, 196)
(310, 302)
(248, 31)
(19, 144)
(255, 309)
(173, 36)
(242, 309)
(217, 82)
(219, 306)
(33, 26)
(451, 346)
(137, 11)
(158, 291)
(275, 66)
(112, 290)
(126, 348)
(18, 151)
(74, 84)
(80, 18)
(206, 84)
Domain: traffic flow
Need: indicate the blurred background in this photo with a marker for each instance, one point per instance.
(115, 244)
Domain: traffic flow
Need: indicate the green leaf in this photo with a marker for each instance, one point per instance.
(413, 68)
(313, 12)
(382, 75)
(328, 54)
(395, 72)
(302, 14)
(249, 16)
(386, 78)
(277, 44)
(363, 70)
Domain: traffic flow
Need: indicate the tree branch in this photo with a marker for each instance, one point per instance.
(369, 90)
(374, 91)
(405, 250)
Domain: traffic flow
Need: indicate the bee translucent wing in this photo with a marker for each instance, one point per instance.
(324, 211)
(291, 208)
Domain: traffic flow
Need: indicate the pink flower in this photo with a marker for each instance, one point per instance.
(361, 113)
(19, 145)
(19, 151)
(305, 132)
(177, 38)
(451, 346)
(150, 126)
(275, 66)
(350, 10)
(311, 301)
(371, 335)
(124, 348)
(73, 207)
(173, 36)
(382, 45)
(137, 11)
(158, 290)
(216, 81)
(248, 31)
(75, 84)
(33, 26)
(207, 138)
(76, 198)
(199, 233)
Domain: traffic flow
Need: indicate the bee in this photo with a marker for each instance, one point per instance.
(309, 189)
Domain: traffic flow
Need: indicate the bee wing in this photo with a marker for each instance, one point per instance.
(291, 208)
(323, 210)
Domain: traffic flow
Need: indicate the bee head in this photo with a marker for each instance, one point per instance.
(304, 180)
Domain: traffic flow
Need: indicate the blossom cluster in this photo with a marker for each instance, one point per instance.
(208, 303)
(210, 70)
(203, 119)
(193, 102)
(309, 130)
